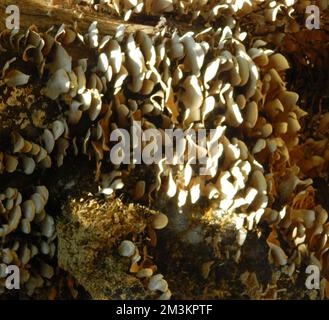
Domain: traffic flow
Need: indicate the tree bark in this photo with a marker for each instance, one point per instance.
(45, 15)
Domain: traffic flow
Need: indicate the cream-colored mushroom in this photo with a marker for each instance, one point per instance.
(58, 84)
(127, 248)
(159, 221)
(15, 78)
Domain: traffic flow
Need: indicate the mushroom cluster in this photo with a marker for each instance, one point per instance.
(27, 237)
(189, 82)
(292, 209)
(294, 213)
(207, 10)
(248, 162)
(155, 283)
(26, 156)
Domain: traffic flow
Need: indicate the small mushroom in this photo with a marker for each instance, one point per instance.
(159, 221)
(127, 248)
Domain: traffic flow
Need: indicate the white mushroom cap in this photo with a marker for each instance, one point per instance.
(127, 248)
(58, 84)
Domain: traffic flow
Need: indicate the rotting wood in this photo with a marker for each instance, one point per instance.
(45, 16)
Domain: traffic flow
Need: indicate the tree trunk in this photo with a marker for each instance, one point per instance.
(45, 15)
